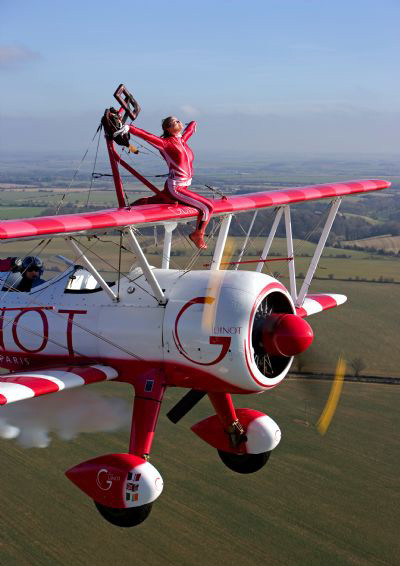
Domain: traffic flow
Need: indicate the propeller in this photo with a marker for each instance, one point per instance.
(325, 407)
(328, 413)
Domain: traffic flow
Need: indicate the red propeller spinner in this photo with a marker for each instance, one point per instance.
(286, 335)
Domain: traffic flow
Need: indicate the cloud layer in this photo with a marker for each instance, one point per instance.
(15, 55)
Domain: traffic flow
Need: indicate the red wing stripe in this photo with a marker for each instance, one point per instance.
(95, 221)
(19, 386)
(39, 386)
(326, 301)
(91, 374)
(316, 303)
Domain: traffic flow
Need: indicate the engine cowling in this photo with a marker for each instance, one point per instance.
(230, 327)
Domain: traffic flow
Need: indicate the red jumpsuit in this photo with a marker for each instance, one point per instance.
(179, 158)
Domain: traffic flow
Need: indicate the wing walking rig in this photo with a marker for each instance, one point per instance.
(213, 331)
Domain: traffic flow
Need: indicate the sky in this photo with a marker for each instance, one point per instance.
(262, 76)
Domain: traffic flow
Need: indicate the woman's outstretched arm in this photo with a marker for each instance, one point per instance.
(189, 130)
(151, 138)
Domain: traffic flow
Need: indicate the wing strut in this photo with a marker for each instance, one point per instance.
(318, 250)
(169, 227)
(290, 253)
(144, 264)
(221, 241)
(91, 268)
(243, 248)
(270, 238)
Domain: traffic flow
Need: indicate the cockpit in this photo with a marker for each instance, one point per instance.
(19, 275)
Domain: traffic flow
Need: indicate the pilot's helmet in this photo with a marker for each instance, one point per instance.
(32, 262)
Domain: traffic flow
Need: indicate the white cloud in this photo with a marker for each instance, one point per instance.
(190, 110)
(11, 55)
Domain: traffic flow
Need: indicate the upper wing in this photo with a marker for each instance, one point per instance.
(27, 384)
(95, 222)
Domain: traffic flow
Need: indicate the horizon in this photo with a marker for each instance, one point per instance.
(275, 77)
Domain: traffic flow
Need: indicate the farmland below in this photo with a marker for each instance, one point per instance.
(320, 500)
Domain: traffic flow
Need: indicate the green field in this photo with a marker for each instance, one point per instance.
(330, 500)
(11, 212)
(53, 196)
(387, 243)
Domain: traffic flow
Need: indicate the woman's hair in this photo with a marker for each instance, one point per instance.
(165, 124)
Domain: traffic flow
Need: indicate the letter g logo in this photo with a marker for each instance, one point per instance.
(102, 480)
(223, 341)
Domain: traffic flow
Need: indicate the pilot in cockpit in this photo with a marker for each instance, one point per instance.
(31, 271)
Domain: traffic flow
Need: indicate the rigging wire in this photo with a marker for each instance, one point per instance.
(301, 243)
(197, 251)
(115, 269)
(76, 171)
(119, 263)
(250, 242)
(94, 165)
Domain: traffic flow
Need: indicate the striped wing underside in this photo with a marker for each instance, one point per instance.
(102, 221)
(25, 385)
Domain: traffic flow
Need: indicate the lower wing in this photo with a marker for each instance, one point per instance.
(320, 302)
(24, 385)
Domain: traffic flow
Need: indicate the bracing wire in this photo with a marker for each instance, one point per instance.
(197, 252)
(76, 171)
(94, 166)
(115, 269)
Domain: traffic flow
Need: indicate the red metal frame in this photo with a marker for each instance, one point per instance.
(119, 188)
(115, 159)
(125, 99)
(149, 392)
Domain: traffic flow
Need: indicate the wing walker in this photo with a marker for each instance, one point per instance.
(212, 331)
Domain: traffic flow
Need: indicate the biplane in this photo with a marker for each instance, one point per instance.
(212, 331)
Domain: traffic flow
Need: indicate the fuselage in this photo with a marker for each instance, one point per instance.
(203, 337)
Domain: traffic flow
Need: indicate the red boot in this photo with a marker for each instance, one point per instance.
(198, 239)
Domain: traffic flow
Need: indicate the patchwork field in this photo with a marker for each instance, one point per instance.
(387, 243)
(330, 500)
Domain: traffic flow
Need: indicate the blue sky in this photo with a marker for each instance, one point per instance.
(271, 75)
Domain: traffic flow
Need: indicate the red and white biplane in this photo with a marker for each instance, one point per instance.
(213, 331)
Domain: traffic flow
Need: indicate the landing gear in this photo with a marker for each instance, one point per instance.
(129, 517)
(244, 463)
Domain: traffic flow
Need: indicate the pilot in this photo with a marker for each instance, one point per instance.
(31, 270)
